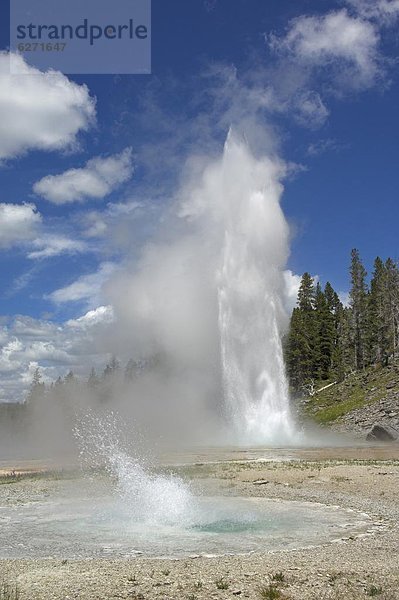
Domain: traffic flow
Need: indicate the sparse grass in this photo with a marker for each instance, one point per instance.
(340, 478)
(222, 584)
(138, 597)
(278, 577)
(270, 592)
(358, 390)
(333, 577)
(374, 591)
(8, 591)
(332, 413)
(55, 475)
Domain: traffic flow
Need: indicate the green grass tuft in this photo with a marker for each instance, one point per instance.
(374, 591)
(221, 584)
(270, 592)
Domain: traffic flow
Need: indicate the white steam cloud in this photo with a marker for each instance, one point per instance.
(168, 304)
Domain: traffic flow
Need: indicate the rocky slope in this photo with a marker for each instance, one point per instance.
(362, 401)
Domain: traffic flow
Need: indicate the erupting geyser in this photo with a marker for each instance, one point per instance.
(250, 287)
(207, 294)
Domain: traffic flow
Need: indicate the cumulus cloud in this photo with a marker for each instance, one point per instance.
(49, 245)
(18, 223)
(21, 225)
(8, 362)
(315, 57)
(95, 180)
(43, 111)
(101, 314)
(337, 41)
(27, 343)
(86, 288)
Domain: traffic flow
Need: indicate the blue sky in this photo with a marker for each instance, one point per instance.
(319, 76)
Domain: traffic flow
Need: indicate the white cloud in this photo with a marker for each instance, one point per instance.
(345, 298)
(98, 222)
(311, 109)
(336, 41)
(116, 209)
(101, 314)
(96, 179)
(44, 351)
(291, 288)
(97, 226)
(43, 111)
(324, 145)
(18, 223)
(384, 11)
(27, 343)
(53, 245)
(21, 224)
(29, 328)
(86, 287)
(7, 356)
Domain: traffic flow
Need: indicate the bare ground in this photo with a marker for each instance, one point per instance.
(352, 569)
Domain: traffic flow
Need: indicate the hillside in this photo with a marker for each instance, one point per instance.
(364, 399)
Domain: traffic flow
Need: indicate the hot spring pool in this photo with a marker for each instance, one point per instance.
(95, 525)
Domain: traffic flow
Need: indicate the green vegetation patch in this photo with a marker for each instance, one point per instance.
(357, 391)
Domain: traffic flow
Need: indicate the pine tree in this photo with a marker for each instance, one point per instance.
(358, 304)
(70, 379)
(377, 313)
(327, 340)
(93, 380)
(324, 334)
(298, 352)
(37, 388)
(335, 306)
(306, 294)
(111, 368)
(300, 342)
(392, 303)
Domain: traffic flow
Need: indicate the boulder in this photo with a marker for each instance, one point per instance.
(382, 433)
